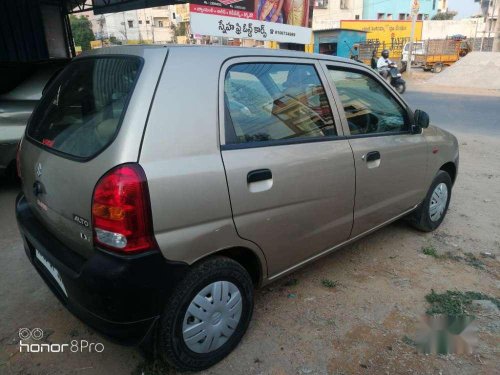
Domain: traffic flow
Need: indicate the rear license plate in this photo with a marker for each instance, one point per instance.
(52, 270)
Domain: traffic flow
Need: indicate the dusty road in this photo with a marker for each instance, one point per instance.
(353, 312)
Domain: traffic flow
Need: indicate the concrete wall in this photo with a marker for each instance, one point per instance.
(441, 29)
(150, 25)
(330, 17)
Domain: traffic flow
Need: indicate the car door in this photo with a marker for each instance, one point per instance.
(390, 160)
(290, 173)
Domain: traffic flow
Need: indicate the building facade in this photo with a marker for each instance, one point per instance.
(328, 13)
(490, 10)
(149, 25)
(400, 9)
(442, 6)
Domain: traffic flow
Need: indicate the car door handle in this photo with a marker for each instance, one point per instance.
(372, 156)
(259, 175)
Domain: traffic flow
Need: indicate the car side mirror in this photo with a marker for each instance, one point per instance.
(421, 119)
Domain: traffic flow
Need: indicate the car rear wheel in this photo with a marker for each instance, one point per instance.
(207, 316)
(431, 213)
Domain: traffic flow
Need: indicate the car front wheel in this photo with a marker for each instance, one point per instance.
(207, 316)
(430, 214)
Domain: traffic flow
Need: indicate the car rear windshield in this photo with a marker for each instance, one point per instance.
(81, 113)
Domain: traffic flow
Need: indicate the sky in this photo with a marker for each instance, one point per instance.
(465, 8)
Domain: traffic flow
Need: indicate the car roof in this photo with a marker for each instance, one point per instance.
(234, 51)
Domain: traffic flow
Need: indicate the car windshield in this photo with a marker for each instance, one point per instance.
(81, 113)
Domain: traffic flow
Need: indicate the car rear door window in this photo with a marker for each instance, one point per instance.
(271, 102)
(81, 113)
(368, 106)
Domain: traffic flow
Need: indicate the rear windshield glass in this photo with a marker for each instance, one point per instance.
(81, 113)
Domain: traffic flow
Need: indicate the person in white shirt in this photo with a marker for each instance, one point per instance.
(383, 63)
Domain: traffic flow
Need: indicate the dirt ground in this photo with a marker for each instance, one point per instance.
(356, 311)
(418, 80)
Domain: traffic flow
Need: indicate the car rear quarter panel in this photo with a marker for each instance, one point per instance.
(181, 158)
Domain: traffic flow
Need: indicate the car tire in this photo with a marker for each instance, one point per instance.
(425, 218)
(182, 353)
(437, 68)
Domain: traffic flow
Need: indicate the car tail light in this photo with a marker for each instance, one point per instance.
(18, 159)
(121, 211)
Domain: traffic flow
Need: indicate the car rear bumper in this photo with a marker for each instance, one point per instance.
(120, 296)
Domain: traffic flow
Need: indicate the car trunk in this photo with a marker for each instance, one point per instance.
(78, 118)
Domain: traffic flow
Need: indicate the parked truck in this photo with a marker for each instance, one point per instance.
(438, 53)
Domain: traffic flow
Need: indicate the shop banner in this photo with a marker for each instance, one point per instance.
(286, 21)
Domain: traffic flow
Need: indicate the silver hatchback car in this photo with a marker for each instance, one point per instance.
(162, 184)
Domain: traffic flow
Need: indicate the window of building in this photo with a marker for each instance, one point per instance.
(130, 23)
(147, 22)
(328, 48)
(426, 16)
(356, 17)
(160, 23)
(389, 16)
(321, 4)
(380, 16)
(420, 16)
(368, 106)
(402, 16)
(140, 22)
(344, 4)
(271, 102)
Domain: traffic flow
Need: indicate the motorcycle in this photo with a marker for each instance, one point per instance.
(396, 81)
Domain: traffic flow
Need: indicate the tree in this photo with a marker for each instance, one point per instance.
(114, 41)
(82, 31)
(448, 15)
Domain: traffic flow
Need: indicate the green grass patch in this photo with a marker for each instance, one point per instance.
(408, 341)
(452, 256)
(454, 303)
(156, 367)
(327, 283)
(472, 260)
(431, 251)
(291, 282)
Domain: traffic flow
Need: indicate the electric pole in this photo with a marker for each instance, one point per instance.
(415, 7)
(496, 34)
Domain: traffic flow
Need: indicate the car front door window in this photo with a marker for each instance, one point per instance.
(368, 106)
